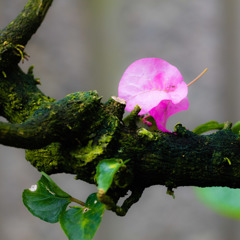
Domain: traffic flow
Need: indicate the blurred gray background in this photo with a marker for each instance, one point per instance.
(86, 45)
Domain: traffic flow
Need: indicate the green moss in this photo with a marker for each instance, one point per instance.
(144, 133)
(97, 143)
(19, 96)
(48, 159)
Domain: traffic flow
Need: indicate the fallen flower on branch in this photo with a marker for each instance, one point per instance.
(157, 87)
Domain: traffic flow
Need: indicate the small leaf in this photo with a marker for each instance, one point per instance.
(236, 128)
(208, 126)
(46, 200)
(82, 223)
(222, 200)
(106, 170)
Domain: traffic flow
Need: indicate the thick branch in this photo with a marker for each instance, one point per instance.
(81, 131)
(88, 131)
(52, 122)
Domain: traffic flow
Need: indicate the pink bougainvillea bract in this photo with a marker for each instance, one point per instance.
(157, 87)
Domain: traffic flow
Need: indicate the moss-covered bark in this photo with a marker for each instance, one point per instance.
(72, 135)
(15, 36)
(19, 95)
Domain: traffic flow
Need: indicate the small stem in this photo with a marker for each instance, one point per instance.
(72, 199)
(193, 81)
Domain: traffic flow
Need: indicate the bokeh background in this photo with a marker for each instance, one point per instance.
(86, 45)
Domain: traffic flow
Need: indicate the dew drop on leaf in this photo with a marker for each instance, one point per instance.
(33, 188)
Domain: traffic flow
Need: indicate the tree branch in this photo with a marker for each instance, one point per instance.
(54, 121)
(15, 36)
(72, 135)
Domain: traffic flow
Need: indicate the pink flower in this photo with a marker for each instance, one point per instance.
(157, 87)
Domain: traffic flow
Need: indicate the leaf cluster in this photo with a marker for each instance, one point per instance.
(47, 201)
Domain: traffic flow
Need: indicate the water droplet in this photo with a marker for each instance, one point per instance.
(33, 188)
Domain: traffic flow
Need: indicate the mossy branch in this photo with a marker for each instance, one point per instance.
(72, 135)
(15, 36)
(57, 121)
(79, 131)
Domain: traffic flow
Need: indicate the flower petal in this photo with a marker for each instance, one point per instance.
(148, 74)
(165, 109)
(156, 86)
(179, 93)
(146, 100)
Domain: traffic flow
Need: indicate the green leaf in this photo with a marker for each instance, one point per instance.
(46, 200)
(208, 126)
(236, 128)
(222, 200)
(53, 187)
(106, 170)
(80, 223)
